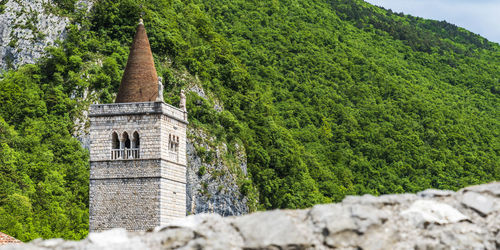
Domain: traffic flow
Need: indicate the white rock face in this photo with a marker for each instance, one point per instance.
(481, 203)
(423, 212)
(26, 29)
(362, 222)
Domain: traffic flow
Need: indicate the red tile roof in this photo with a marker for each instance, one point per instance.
(6, 239)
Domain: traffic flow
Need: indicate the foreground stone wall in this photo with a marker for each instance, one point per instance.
(432, 219)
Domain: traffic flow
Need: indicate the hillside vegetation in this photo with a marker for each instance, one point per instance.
(329, 98)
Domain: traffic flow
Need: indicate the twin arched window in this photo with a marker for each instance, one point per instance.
(173, 143)
(173, 147)
(124, 147)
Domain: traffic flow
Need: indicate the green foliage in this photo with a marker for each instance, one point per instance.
(202, 171)
(329, 98)
(43, 170)
(68, 6)
(2, 5)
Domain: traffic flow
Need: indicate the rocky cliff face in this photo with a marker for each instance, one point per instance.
(215, 169)
(212, 186)
(26, 29)
(432, 219)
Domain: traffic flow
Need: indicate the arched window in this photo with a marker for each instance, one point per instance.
(173, 147)
(135, 140)
(135, 145)
(116, 152)
(126, 140)
(125, 147)
(115, 141)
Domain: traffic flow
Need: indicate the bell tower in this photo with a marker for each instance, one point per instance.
(137, 150)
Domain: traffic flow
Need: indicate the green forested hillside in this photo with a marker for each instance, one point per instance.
(329, 98)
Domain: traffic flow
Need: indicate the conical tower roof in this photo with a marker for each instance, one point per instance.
(140, 80)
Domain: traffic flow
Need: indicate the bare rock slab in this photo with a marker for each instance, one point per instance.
(483, 204)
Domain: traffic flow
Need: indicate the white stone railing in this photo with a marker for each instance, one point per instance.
(132, 153)
(116, 154)
(127, 153)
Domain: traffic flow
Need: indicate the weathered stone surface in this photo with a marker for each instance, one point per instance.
(210, 231)
(341, 225)
(492, 189)
(424, 212)
(26, 29)
(481, 203)
(389, 199)
(366, 222)
(286, 229)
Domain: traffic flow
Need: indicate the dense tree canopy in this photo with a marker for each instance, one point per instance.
(329, 98)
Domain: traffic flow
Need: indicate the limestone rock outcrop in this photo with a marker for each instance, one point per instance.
(212, 187)
(432, 219)
(215, 169)
(26, 29)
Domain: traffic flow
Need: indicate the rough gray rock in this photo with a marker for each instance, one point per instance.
(446, 220)
(481, 203)
(284, 229)
(26, 29)
(212, 187)
(425, 212)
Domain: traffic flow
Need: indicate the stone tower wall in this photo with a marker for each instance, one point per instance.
(141, 193)
(130, 203)
(173, 171)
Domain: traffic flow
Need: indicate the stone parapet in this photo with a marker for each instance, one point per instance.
(138, 108)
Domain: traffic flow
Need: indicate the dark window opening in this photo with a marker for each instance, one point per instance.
(115, 141)
(126, 140)
(136, 141)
